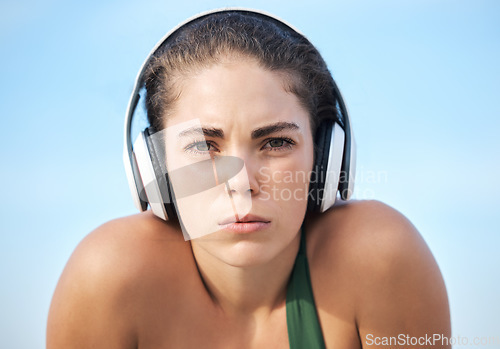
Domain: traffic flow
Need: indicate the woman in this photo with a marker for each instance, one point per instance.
(237, 103)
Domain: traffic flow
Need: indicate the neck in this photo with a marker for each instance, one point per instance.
(247, 290)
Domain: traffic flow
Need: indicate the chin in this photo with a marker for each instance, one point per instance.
(242, 252)
(250, 254)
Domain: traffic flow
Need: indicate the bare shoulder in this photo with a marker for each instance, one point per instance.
(367, 229)
(107, 279)
(365, 232)
(375, 259)
(371, 226)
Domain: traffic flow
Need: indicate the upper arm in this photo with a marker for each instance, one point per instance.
(90, 307)
(402, 293)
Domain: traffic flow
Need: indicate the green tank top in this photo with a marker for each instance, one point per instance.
(304, 330)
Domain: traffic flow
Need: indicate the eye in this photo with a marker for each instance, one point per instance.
(200, 147)
(278, 144)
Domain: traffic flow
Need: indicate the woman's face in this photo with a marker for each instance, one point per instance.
(240, 151)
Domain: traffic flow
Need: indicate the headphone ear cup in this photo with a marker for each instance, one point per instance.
(348, 170)
(335, 156)
(150, 177)
(324, 181)
(321, 148)
(346, 185)
(162, 180)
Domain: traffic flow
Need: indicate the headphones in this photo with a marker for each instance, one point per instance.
(334, 168)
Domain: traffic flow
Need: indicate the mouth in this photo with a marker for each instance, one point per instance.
(249, 218)
(246, 224)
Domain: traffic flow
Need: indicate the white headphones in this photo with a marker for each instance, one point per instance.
(335, 162)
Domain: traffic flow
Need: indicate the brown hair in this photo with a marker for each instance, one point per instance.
(275, 46)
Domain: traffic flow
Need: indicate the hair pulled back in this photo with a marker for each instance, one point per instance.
(206, 41)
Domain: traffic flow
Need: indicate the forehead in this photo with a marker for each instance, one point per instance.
(236, 92)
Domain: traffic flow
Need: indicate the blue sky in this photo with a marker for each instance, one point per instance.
(419, 77)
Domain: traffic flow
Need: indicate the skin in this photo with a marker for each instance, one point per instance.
(135, 282)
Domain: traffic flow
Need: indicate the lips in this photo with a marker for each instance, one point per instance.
(244, 225)
(249, 218)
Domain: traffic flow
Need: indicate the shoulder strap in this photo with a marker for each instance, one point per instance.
(304, 330)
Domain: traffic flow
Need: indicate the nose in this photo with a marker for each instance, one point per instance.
(240, 184)
(245, 181)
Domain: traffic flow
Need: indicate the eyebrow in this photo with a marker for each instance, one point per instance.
(276, 127)
(257, 133)
(205, 131)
